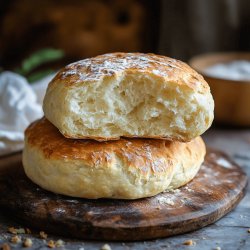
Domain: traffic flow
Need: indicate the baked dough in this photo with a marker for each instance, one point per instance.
(129, 95)
(122, 169)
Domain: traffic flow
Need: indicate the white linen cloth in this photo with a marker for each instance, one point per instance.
(20, 104)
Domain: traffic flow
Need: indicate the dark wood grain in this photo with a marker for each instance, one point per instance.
(216, 190)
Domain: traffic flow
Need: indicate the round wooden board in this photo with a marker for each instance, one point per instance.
(216, 190)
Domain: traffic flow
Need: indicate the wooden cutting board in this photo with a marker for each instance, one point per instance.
(216, 190)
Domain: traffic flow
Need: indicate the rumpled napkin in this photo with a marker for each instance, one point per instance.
(20, 104)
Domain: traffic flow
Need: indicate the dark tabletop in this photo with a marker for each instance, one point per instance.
(230, 232)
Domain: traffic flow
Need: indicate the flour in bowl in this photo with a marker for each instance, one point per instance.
(233, 70)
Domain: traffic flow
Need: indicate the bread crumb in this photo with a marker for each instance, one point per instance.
(20, 231)
(189, 243)
(12, 230)
(27, 242)
(15, 239)
(5, 246)
(16, 230)
(59, 243)
(51, 244)
(43, 235)
(106, 247)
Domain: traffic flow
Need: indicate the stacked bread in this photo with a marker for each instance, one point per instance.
(120, 125)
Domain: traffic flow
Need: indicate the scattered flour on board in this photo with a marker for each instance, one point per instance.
(188, 189)
(175, 191)
(164, 200)
(223, 162)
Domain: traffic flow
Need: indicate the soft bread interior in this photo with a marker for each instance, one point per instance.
(131, 105)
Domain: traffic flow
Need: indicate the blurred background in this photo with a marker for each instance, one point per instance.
(83, 28)
(39, 37)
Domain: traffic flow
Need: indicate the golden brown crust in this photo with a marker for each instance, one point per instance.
(122, 169)
(108, 65)
(137, 152)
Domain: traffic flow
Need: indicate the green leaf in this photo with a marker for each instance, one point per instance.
(38, 58)
(39, 75)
